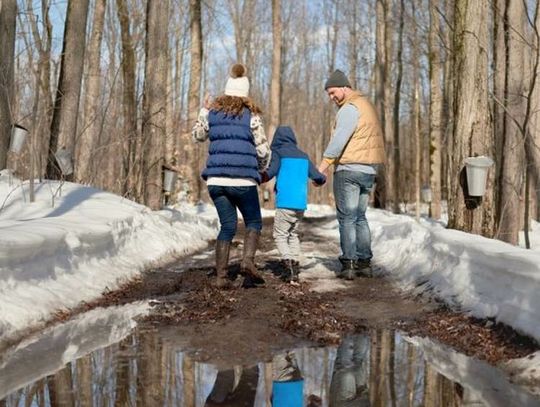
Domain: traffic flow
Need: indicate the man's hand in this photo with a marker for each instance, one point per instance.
(323, 167)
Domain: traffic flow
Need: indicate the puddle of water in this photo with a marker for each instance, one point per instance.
(379, 368)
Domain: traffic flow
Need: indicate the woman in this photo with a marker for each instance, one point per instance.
(237, 153)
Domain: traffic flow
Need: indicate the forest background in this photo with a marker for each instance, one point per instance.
(117, 85)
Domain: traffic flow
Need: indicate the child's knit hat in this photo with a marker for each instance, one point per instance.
(238, 83)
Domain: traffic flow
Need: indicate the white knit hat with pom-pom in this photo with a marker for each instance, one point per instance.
(238, 83)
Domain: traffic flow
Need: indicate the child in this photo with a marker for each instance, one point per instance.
(292, 168)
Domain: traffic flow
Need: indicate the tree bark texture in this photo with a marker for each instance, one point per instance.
(131, 169)
(435, 111)
(472, 127)
(154, 102)
(512, 168)
(195, 76)
(88, 140)
(8, 18)
(66, 107)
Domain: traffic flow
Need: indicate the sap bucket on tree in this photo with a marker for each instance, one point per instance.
(169, 179)
(425, 193)
(63, 158)
(18, 136)
(477, 169)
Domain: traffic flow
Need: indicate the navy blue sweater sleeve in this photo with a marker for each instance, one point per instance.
(273, 168)
(315, 175)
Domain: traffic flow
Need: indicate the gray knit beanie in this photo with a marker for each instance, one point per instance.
(337, 80)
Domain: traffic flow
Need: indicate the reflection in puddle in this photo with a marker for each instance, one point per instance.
(380, 368)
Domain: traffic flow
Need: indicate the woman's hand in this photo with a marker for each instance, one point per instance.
(207, 101)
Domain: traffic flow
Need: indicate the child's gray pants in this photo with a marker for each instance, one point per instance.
(286, 223)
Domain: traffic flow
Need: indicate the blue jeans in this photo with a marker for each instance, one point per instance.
(227, 200)
(351, 191)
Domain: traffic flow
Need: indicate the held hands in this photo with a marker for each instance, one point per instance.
(264, 177)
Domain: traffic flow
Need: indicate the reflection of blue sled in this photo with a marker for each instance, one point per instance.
(288, 394)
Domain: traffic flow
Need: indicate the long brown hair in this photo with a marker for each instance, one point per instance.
(234, 105)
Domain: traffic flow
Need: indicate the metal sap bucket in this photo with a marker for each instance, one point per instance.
(18, 137)
(426, 195)
(64, 160)
(169, 179)
(477, 169)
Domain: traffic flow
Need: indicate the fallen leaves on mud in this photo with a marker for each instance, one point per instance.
(480, 338)
(292, 308)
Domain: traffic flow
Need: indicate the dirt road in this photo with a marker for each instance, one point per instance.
(244, 325)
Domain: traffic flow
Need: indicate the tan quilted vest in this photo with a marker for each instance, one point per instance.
(366, 145)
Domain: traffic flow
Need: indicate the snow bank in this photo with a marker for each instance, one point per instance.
(486, 277)
(54, 257)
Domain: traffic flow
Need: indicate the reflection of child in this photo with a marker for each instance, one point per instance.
(292, 168)
(287, 382)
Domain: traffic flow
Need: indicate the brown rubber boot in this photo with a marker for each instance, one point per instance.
(222, 261)
(247, 267)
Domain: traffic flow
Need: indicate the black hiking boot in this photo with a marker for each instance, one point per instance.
(363, 268)
(290, 270)
(347, 269)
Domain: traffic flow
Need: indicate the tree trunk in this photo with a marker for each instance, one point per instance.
(84, 381)
(448, 97)
(511, 180)
(45, 102)
(435, 111)
(394, 154)
(380, 94)
(129, 102)
(275, 83)
(8, 19)
(431, 387)
(472, 127)
(154, 101)
(149, 366)
(499, 75)
(196, 52)
(89, 137)
(61, 388)
(66, 108)
(534, 132)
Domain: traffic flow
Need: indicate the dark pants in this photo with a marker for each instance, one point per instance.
(227, 200)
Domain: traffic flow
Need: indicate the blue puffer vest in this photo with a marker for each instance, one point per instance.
(232, 150)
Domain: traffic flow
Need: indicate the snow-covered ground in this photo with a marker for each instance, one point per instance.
(485, 277)
(54, 255)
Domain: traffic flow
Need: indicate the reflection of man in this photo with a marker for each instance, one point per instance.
(356, 149)
(349, 381)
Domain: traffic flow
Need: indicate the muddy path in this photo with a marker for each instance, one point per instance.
(240, 326)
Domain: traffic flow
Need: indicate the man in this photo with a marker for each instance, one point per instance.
(356, 150)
